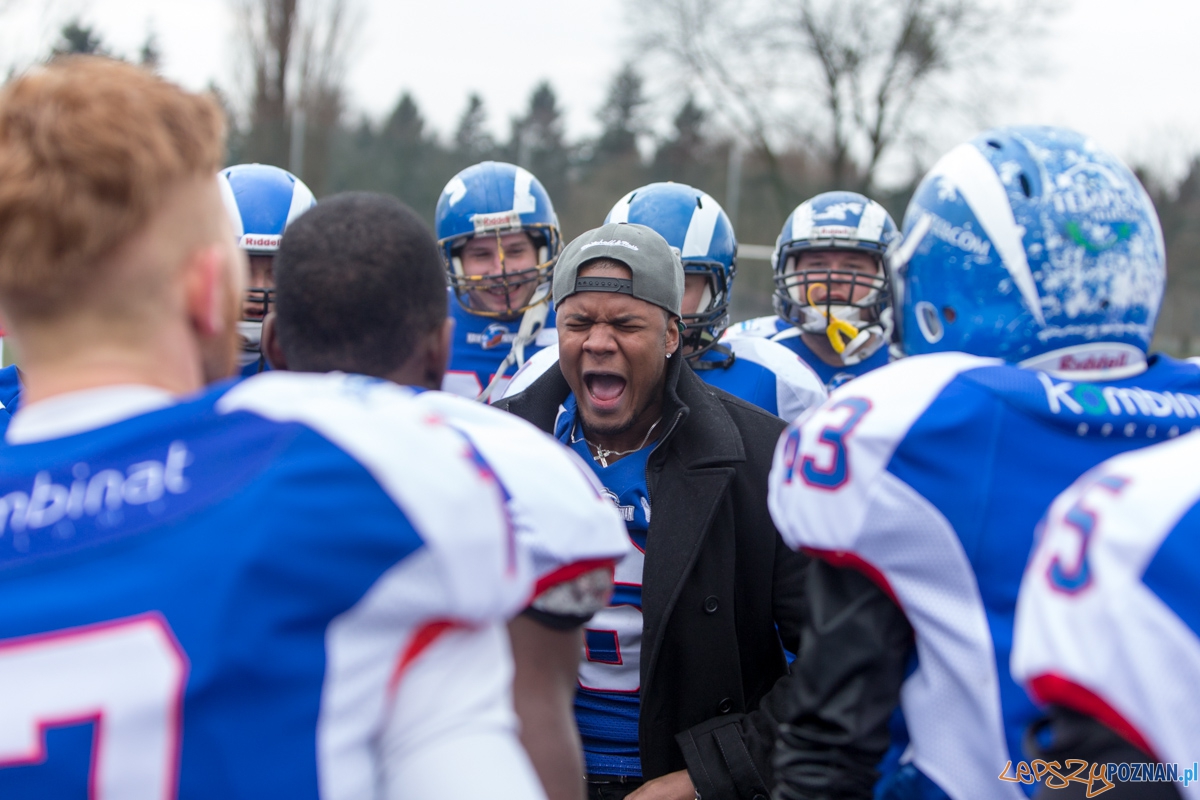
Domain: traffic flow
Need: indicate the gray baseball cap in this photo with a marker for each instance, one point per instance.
(657, 272)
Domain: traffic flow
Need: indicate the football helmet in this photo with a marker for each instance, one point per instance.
(262, 201)
(696, 227)
(1026, 240)
(832, 301)
(494, 199)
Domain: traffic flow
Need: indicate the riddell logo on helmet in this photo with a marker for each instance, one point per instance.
(252, 241)
(500, 221)
(1069, 363)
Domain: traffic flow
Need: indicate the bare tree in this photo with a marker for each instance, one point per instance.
(298, 53)
(848, 79)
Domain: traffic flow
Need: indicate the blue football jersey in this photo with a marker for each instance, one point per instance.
(223, 596)
(784, 333)
(1108, 620)
(607, 702)
(930, 475)
(765, 374)
(480, 344)
(10, 395)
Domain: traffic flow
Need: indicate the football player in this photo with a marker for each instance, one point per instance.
(262, 201)
(361, 289)
(291, 586)
(831, 288)
(1027, 286)
(499, 237)
(1106, 626)
(754, 369)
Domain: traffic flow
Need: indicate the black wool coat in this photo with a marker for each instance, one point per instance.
(721, 593)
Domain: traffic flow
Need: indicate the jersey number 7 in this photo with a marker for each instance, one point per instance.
(127, 677)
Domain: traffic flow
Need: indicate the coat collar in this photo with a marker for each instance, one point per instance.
(700, 432)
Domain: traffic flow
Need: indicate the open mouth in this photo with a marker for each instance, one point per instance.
(604, 389)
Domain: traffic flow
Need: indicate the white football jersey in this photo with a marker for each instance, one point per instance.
(1108, 620)
(562, 519)
(930, 475)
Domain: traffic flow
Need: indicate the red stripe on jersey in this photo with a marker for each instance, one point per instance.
(844, 558)
(425, 636)
(570, 572)
(1053, 688)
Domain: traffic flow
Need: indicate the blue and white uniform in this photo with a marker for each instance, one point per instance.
(10, 395)
(787, 335)
(1108, 621)
(491, 200)
(481, 344)
(930, 475)
(762, 373)
(291, 587)
(607, 702)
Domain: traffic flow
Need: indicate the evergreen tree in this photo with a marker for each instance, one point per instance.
(76, 38)
(538, 141)
(686, 149)
(472, 142)
(621, 116)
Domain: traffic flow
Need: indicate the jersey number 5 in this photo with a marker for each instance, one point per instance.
(126, 677)
(829, 469)
(1081, 519)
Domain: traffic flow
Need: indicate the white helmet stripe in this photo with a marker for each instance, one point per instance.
(870, 224)
(523, 200)
(700, 229)
(235, 213)
(620, 212)
(456, 189)
(802, 221)
(302, 200)
(969, 172)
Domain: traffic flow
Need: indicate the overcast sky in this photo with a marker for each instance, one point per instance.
(1126, 73)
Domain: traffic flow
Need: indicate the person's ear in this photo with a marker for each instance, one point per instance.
(205, 294)
(271, 348)
(674, 328)
(441, 343)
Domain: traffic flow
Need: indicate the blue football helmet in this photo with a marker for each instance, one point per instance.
(698, 228)
(849, 307)
(494, 199)
(262, 201)
(1026, 240)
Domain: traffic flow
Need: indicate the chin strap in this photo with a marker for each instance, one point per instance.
(532, 322)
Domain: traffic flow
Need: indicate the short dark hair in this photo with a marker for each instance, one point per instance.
(358, 281)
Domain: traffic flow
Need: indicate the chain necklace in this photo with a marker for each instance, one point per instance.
(603, 453)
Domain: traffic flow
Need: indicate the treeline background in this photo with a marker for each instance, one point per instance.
(873, 82)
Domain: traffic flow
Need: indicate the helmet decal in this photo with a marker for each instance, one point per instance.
(964, 170)
(700, 230)
(1026, 240)
(456, 190)
(523, 200)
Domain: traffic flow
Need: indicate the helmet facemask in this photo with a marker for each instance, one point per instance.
(249, 327)
(849, 307)
(703, 328)
(507, 283)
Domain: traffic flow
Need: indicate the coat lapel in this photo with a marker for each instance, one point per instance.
(695, 477)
